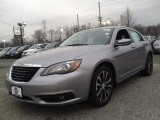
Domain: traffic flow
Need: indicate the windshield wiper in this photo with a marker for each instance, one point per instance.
(76, 44)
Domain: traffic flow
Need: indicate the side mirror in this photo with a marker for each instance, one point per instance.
(123, 42)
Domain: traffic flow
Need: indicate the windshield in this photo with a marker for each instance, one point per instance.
(5, 49)
(21, 48)
(50, 45)
(12, 49)
(34, 46)
(90, 37)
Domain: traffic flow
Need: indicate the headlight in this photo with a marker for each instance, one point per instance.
(62, 68)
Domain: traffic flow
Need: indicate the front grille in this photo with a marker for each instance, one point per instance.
(23, 74)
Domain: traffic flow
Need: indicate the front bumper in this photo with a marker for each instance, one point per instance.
(76, 83)
(156, 48)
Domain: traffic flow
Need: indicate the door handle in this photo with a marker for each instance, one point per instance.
(145, 44)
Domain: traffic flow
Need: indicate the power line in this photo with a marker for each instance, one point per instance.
(81, 11)
(5, 23)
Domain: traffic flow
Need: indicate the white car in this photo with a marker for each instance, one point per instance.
(34, 49)
(156, 46)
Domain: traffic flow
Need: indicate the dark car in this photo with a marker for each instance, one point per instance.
(4, 51)
(8, 53)
(19, 51)
(1, 49)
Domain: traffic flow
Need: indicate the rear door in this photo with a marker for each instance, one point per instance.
(140, 44)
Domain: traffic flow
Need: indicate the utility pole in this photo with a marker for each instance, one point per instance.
(78, 22)
(44, 28)
(122, 20)
(99, 18)
(51, 34)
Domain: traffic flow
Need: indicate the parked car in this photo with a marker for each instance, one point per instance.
(19, 51)
(50, 46)
(34, 49)
(8, 53)
(156, 46)
(151, 39)
(85, 66)
(3, 51)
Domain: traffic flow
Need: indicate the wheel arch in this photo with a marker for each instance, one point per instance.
(103, 63)
(107, 63)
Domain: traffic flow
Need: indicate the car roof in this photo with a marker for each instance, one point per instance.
(110, 27)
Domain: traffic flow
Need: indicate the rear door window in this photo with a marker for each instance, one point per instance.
(135, 36)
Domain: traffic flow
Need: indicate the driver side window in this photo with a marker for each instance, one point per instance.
(122, 34)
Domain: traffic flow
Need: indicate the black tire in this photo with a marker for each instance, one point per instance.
(101, 90)
(149, 66)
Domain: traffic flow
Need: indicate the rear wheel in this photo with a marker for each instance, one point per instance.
(149, 66)
(101, 86)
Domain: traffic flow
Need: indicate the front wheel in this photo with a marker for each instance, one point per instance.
(101, 86)
(149, 66)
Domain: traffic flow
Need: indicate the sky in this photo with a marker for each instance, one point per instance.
(60, 13)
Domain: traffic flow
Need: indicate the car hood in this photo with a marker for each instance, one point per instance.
(60, 54)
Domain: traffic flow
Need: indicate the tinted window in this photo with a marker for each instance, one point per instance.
(122, 34)
(34, 46)
(51, 45)
(42, 46)
(22, 48)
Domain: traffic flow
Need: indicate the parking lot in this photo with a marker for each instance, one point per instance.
(137, 98)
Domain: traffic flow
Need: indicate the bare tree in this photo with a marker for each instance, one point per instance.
(39, 36)
(52, 34)
(140, 28)
(128, 18)
(68, 31)
(16, 42)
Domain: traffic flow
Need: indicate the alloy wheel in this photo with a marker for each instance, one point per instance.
(104, 86)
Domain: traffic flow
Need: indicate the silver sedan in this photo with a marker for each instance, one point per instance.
(156, 46)
(86, 66)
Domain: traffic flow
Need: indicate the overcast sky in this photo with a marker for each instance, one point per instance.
(59, 13)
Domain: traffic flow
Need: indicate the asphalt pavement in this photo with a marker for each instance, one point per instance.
(137, 98)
